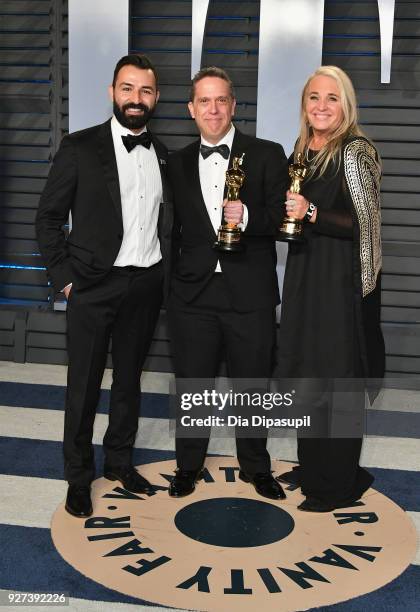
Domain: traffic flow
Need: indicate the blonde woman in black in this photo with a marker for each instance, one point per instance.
(330, 323)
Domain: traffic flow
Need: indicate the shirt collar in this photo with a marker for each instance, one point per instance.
(227, 139)
(120, 130)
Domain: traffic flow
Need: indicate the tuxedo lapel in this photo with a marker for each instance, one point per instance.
(192, 183)
(240, 145)
(161, 155)
(107, 156)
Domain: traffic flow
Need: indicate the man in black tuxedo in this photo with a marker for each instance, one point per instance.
(111, 178)
(224, 300)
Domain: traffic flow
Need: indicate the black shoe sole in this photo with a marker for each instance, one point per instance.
(178, 495)
(278, 497)
(77, 514)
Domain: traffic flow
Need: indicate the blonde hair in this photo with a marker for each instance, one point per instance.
(348, 127)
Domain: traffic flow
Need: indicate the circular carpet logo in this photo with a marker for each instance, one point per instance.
(226, 548)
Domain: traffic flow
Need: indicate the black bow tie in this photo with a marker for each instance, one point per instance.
(223, 149)
(130, 141)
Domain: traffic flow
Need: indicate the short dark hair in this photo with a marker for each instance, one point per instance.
(211, 71)
(139, 60)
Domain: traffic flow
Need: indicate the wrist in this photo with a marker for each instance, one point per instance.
(311, 213)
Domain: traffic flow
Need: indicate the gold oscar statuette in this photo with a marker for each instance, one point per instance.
(229, 234)
(291, 230)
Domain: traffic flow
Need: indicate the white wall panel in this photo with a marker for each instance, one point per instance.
(98, 37)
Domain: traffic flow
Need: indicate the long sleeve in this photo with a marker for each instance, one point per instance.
(337, 223)
(173, 174)
(53, 211)
(265, 220)
(362, 176)
(360, 196)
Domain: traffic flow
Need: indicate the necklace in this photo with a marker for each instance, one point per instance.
(313, 154)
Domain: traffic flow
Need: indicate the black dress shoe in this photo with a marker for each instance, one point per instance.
(183, 483)
(290, 478)
(264, 484)
(129, 478)
(78, 502)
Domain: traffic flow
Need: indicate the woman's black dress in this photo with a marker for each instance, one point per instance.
(322, 340)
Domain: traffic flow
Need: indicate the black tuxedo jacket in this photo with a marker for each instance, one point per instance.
(84, 181)
(251, 275)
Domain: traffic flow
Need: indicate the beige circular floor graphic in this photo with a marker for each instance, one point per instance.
(227, 548)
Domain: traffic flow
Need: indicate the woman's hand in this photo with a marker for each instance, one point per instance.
(296, 205)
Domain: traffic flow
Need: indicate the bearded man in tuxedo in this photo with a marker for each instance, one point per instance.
(111, 178)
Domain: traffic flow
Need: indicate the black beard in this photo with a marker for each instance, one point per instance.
(133, 122)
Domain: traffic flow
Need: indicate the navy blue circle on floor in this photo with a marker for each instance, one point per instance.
(234, 521)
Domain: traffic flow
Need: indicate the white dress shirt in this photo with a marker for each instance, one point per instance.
(141, 194)
(213, 179)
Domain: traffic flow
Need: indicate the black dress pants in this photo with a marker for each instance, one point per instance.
(200, 332)
(125, 306)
